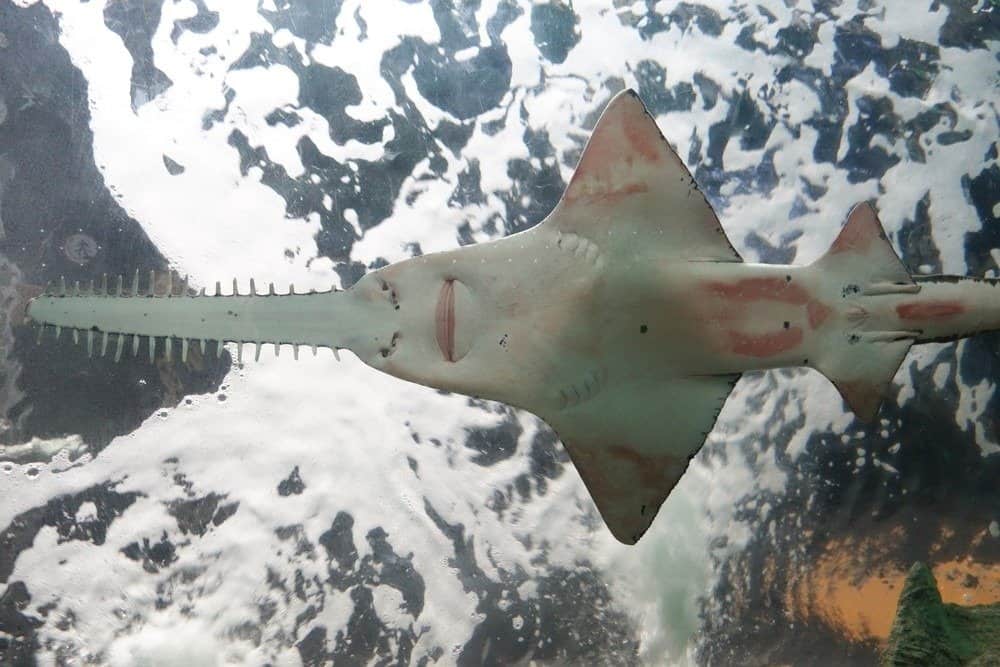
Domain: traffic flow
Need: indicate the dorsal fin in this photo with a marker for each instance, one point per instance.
(631, 191)
(863, 253)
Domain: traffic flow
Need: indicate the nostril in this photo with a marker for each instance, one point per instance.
(387, 351)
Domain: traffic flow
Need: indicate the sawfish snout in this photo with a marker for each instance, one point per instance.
(455, 320)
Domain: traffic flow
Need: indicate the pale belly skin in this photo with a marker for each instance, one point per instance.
(574, 326)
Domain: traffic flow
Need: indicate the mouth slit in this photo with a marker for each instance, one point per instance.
(444, 318)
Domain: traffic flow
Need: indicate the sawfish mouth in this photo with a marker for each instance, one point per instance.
(444, 320)
(454, 301)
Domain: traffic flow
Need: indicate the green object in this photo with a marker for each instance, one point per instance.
(928, 631)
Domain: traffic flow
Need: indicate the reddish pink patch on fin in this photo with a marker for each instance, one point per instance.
(627, 486)
(862, 397)
(642, 133)
(929, 310)
(861, 230)
(607, 196)
(760, 289)
(818, 313)
(765, 345)
(655, 473)
(624, 137)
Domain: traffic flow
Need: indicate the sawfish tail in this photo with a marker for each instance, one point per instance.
(111, 319)
(882, 311)
(952, 307)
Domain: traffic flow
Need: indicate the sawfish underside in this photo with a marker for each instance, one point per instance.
(623, 319)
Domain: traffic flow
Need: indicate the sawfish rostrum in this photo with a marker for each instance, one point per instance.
(623, 319)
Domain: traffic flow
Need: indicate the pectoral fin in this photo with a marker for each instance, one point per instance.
(632, 194)
(632, 445)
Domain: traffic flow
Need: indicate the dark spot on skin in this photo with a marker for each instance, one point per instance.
(222, 398)
(787, 324)
(788, 278)
(805, 362)
(853, 338)
(643, 329)
(849, 290)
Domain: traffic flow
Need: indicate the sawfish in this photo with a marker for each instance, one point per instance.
(622, 320)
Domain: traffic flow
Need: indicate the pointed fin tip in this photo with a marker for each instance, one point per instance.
(863, 370)
(863, 398)
(863, 257)
(628, 165)
(862, 228)
(621, 455)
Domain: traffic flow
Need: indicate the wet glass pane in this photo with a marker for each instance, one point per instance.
(316, 383)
